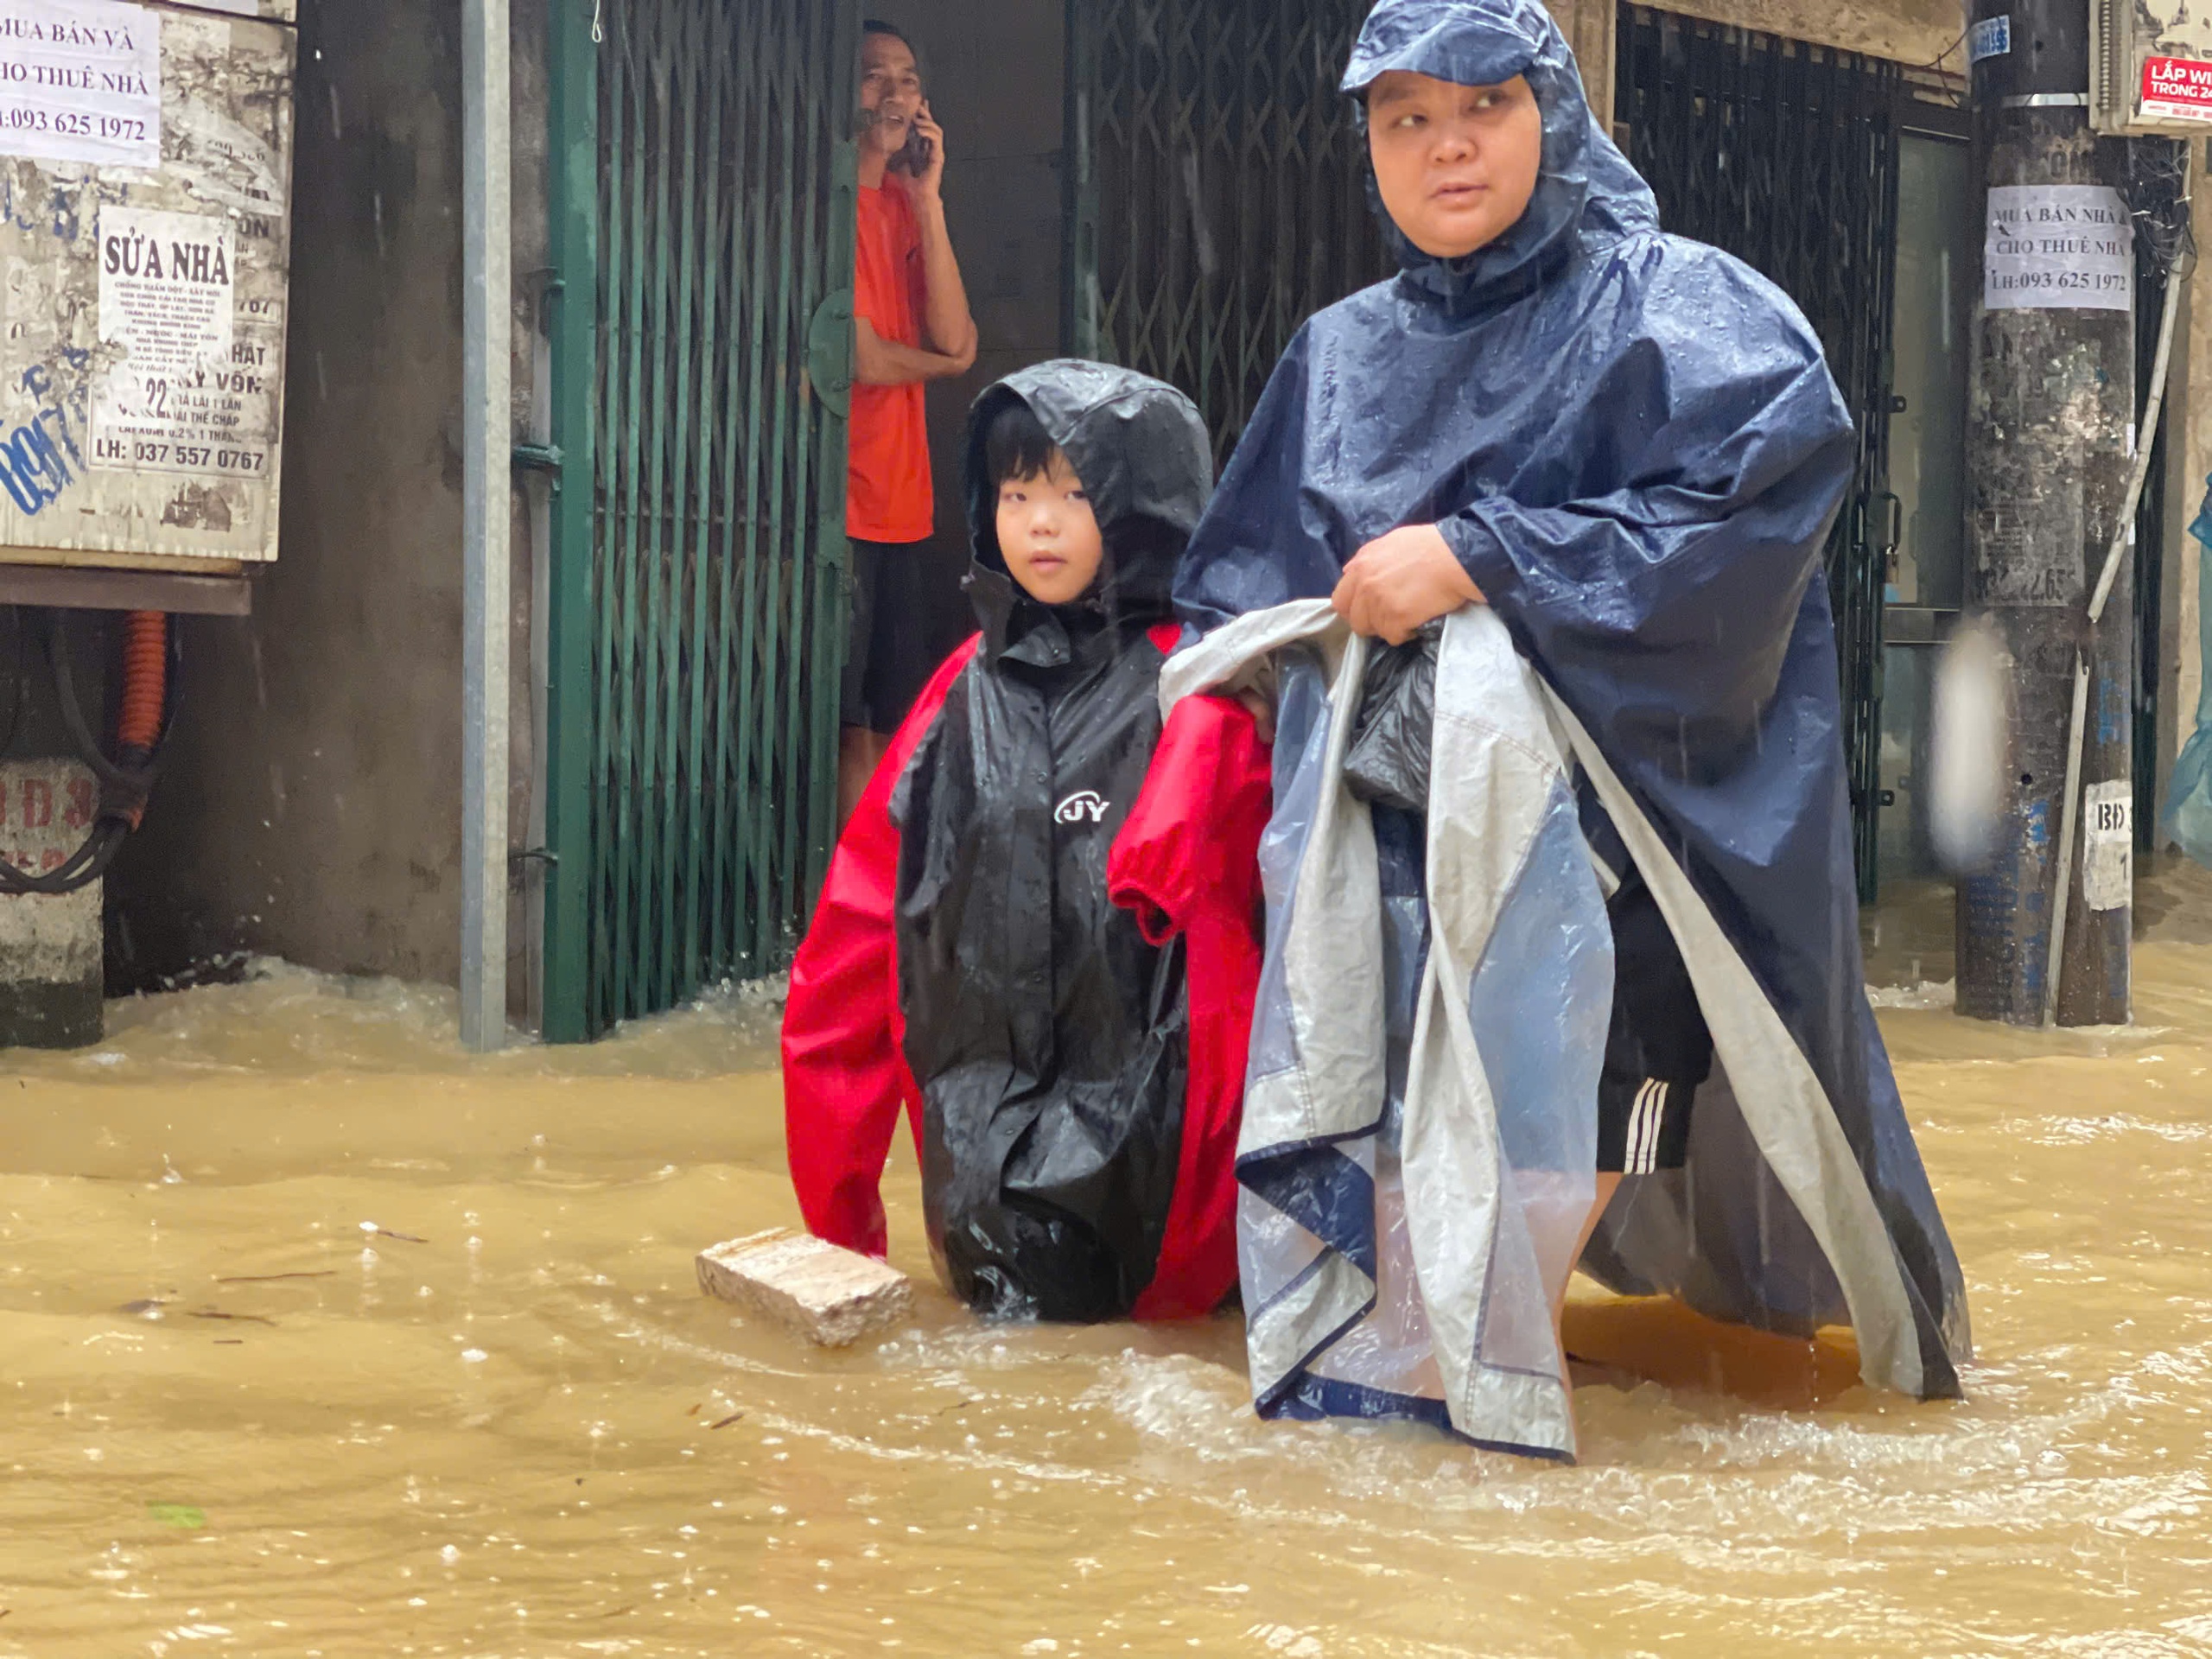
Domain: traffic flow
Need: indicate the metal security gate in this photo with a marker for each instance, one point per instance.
(702, 214)
(1785, 154)
(1218, 194)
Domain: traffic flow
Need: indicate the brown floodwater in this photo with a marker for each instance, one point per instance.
(507, 1424)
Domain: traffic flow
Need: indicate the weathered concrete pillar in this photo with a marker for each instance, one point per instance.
(49, 945)
(2050, 430)
(1589, 26)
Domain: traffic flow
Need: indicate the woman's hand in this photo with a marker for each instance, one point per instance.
(1264, 714)
(1399, 583)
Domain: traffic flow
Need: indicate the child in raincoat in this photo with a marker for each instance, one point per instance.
(1073, 1072)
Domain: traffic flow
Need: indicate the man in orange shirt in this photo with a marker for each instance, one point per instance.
(911, 325)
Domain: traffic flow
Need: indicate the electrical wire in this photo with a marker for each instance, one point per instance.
(150, 658)
(2157, 189)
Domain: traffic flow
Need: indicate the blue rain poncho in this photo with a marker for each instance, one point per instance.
(1634, 446)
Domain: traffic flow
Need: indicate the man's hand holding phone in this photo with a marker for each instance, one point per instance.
(919, 165)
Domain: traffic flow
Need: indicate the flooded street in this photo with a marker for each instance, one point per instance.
(234, 1414)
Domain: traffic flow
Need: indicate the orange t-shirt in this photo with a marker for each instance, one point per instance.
(887, 494)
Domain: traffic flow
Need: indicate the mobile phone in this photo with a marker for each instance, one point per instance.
(914, 155)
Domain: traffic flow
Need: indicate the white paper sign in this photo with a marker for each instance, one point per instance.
(2059, 247)
(80, 80)
(180, 399)
(2108, 846)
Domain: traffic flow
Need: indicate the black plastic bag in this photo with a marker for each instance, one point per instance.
(1387, 763)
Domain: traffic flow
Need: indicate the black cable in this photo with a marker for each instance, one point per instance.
(133, 781)
(123, 788)
(82, 868)
(2158, 201)
(1935, 63)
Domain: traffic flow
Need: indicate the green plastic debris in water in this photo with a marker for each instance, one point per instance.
(186, 1516)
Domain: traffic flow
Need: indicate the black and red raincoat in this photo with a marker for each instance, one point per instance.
(1074, 1069)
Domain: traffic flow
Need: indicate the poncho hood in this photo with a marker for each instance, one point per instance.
(1142, 450)
(1585, 191)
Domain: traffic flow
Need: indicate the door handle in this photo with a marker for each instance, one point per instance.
(1892, 523)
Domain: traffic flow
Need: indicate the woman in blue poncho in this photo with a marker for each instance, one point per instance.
(1629, 446)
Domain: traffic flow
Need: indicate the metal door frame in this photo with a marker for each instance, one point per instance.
(690, 793)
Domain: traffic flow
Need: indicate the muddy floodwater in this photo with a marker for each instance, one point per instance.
(317, 1336)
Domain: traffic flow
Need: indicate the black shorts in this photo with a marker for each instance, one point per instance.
(908, 615)
(1658, 1050)
(1643, 1124)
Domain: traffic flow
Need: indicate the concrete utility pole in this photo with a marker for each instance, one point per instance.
(2050, 444)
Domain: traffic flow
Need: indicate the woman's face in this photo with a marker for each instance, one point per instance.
(1457, 164)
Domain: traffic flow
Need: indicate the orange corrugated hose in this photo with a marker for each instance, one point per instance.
(145, 690)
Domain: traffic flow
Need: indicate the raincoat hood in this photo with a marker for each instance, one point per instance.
(1142, 453)
(1585, 191)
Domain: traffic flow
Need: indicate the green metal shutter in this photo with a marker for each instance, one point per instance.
(1218, 194)
(702, 214)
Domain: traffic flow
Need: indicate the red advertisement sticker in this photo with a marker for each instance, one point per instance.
(2177, 86)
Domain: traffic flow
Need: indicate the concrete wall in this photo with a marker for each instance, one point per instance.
(1589, 26)
(1911, 31)
(310, 803)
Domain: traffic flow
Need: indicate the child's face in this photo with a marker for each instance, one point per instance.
(1048, 534)
(1457, 164)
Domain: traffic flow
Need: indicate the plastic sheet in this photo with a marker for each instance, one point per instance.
(1419, 1132)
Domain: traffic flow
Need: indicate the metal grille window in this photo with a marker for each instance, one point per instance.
(703, 211)
(1219, 192)
(1785, 154)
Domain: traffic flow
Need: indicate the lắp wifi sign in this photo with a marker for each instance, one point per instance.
(2177, 88)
